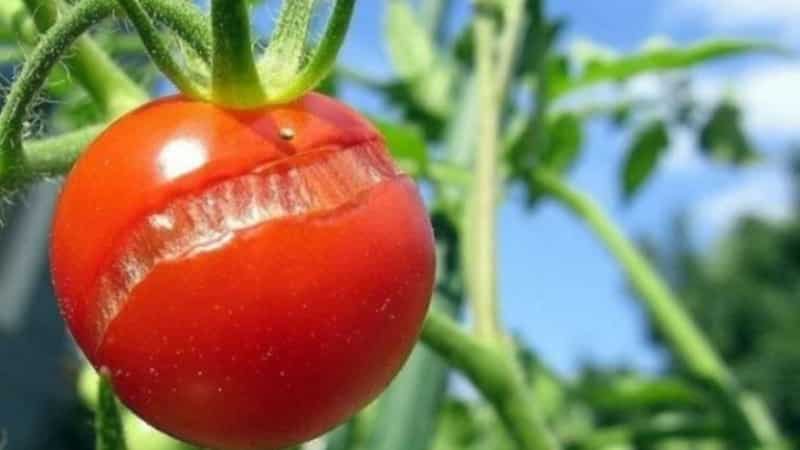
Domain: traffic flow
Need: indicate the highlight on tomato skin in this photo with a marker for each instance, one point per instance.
(248, 279)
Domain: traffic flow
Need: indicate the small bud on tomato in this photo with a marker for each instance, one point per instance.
(245, 289)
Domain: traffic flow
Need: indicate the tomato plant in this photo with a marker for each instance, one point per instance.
(246, 267)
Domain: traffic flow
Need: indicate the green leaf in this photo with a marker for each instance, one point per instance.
(428, 75)
(407, 145)
(649, 144)
(407, 411)
(614, 69)
(564, 142)
(629, 393)
(723, 138)
(108, 422)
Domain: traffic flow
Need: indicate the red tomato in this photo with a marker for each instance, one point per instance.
(248, 279)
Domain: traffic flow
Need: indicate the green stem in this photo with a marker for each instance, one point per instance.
(109, 433)
(158, 49)
(496, 374)
(484, 192)
(285, 55)
(186, 20)
(110, 87)
(434, 14)
(515, 23)
(55, 155)
(686, 341)
(235, 80)
(323, 59)
(46, 55)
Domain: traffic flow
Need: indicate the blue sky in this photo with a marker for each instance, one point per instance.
(560, 289)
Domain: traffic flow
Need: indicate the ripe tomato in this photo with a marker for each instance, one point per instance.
(248, 279)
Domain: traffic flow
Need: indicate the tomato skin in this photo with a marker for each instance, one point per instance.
(274, 335)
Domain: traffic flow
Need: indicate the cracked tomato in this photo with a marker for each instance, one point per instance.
(248, 279)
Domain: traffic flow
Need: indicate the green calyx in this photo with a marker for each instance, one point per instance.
(288, 68)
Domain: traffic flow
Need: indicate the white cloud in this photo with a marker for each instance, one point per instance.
(739, 14)
(771, 96)
(764, 192)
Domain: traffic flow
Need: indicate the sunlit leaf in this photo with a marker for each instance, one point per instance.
(649, 144)
(615, 69)
(564, 142)
(407, 145)
(428, 75)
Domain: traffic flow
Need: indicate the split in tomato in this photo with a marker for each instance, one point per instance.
(249, 279)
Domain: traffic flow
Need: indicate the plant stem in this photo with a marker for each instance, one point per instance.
(516, 22)
(696, 355)
(186, 20)
(484, 191)
(235, 80)
(55, 155)
(323, 59)
(110, 87)
(285, 55)
(108, 420)
(46, 55)
(496, 374)
(158, 49)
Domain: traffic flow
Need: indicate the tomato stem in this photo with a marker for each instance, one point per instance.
(108, 420)
(34, 73)
(482, 210)
(158, 50)
(235, 81)
(685, 340)
(55, 155)
(108, 85)
(496, 374)
(285, 55)
(323, 59)
(186, 20)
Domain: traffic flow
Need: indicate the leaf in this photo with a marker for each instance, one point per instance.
(649, 144)
(564, 142)
(108, 421)
(615, 69)
(410, 45)
(428, 75)
(723, 138)
(407, 145)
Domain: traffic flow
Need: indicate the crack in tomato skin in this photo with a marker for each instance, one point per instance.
(311, 183)
(170, 148)
(260, 330)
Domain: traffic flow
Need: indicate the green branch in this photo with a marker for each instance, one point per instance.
(235, 80)
(108, 85)
(159, 51)
(109, 434)
(46, 55)
(323, 59)
(496, 374)
(696, 355)
(186, 20)
(55, 155)
(484, 191)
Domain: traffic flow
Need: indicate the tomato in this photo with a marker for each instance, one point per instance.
(247, 279)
